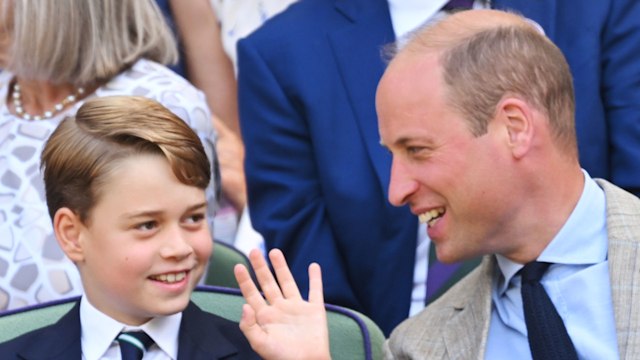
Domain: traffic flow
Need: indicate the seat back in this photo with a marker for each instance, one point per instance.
(352, 336)
(223, 259)
(14, 323)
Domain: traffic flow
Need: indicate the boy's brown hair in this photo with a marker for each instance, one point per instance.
(84, 149)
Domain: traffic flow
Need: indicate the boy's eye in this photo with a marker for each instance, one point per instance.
(195, 218)
(147, 225)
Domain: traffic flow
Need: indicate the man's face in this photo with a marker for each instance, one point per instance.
(457, 183)
(146, 242)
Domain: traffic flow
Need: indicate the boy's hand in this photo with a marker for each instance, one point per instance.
(284, 326)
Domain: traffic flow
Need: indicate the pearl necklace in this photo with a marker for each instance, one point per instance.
(17, 104)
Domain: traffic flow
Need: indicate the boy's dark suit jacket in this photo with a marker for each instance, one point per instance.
(202, 336)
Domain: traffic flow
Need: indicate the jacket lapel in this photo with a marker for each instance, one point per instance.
(200, 338)
(623, 227)
(471, 313)
(472, 310)
(59, 341)
(357, 46)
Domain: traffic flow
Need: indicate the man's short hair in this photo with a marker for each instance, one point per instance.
(485, 58)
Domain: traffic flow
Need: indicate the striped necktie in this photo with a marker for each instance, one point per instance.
(133, 344)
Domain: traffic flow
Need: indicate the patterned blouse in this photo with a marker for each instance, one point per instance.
(33, 268)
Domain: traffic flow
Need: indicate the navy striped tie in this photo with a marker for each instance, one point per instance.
(133, 344)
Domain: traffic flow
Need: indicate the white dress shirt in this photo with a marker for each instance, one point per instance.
(577, 283)
(99, 332)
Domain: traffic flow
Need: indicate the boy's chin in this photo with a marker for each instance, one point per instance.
(166, 307)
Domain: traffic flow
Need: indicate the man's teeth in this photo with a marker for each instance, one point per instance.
(170, 278)
(431, 217)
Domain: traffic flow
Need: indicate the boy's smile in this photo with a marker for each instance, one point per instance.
(146, 242)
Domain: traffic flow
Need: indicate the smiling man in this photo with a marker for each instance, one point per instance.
(478, 113)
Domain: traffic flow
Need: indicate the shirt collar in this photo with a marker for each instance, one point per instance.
(407, 15)
(164, 330)
(582, 240)
(100, 330)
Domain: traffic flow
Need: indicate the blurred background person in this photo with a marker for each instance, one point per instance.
(208, 31)
(57, 55)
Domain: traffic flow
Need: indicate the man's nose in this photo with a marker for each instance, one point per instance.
(401, 185)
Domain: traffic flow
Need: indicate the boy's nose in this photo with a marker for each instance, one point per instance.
(177, 245)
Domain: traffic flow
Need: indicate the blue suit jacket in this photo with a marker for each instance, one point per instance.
(317, 176)
(202, 336)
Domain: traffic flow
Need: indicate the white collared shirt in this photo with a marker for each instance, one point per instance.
(408, 15)
(99, 332)
(577, 283)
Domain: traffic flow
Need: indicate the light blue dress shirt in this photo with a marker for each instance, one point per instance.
(577, 283)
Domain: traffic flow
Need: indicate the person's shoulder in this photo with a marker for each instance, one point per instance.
(206, 318)
(618, 198)
(623, 213)
(144, 70)
(474, 290)
(5, 77)
(205, 327)
(11, 348)
(62, 337)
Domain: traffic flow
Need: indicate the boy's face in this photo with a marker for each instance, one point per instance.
(146, 242)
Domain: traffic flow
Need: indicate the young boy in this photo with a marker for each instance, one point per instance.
(125, 184)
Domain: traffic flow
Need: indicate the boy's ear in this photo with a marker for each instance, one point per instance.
(67, 227)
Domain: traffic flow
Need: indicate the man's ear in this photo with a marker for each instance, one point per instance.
(68, 229)
(517, 117)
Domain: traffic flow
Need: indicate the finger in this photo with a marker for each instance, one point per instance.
(285, 279)
(250, 328)
(248, 287)
(265, 278)
(315, 284)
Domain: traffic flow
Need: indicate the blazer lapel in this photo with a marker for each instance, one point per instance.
(357, 49)
(472, 312)
(59, 341)
(200, 338)
(623, 227)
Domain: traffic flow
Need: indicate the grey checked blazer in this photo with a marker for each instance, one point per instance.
(457, 324)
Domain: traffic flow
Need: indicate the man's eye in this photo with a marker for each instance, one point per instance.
(414, 149)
